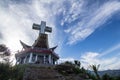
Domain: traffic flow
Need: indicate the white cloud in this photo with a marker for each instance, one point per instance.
(17, 19)
(93, 58)
(112, 49)
(90, 58)
(73, 12)
(66, 59)
(12, 29)
(90, 22)
(21, 16)
(106, 62)
(16, 24)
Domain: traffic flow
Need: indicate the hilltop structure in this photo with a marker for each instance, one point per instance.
(39, 52)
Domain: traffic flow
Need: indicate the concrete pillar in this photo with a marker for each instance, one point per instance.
(20, 61)
(17, 61)
(25, 59)
(50, 59)
(44, 59)
(36, 57)
(30, 58)
(56, 62)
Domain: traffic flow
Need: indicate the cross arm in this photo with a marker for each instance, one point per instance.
(36, 26)
(48, 29)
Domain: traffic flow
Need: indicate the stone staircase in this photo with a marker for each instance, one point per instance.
(41, 73)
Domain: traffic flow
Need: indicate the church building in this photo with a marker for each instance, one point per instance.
(39, 52)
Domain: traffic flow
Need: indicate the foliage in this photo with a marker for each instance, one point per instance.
(11, 72)
(5, 50)
(95, 69)
(5, 71)
(8, 72)
(4, 53)
(18, 71)
(70, 68)
(65, 68)
(77, 63)
(105, 77)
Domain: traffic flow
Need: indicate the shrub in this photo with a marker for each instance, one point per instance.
(5, 71)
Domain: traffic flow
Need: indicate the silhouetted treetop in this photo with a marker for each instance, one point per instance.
(4, 50)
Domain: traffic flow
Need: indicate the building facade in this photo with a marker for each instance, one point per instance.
(39, 52)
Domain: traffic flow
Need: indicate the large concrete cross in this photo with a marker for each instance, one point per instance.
(42, 27)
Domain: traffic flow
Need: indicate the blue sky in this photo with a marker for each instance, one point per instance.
(86, 30)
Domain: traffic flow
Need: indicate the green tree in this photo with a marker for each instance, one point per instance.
(17, 72)
(4, 53)
(105, 77)
(118, 78)
(95, 69)
(5, 71)
(77, 63)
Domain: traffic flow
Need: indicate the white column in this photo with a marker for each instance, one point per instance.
(20, 61)
(44, 59)
(30, 58)
(17, 61)
(50, 59)
(25, 59)
(56, 62)
(36, 57)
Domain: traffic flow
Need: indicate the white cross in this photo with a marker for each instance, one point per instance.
(42, 27)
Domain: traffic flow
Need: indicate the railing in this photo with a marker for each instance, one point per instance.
(37, 50)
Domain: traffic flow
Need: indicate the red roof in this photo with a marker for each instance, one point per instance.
(41, 51)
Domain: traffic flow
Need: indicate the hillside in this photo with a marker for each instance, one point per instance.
(35, 72)
(112, 73)
(64, 71)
